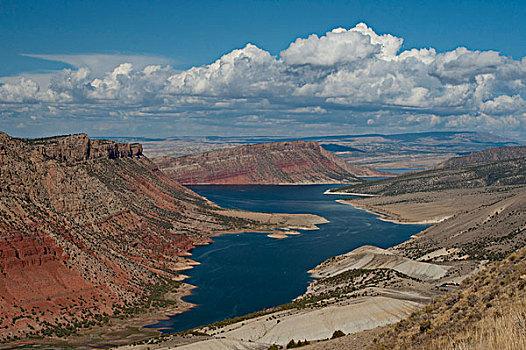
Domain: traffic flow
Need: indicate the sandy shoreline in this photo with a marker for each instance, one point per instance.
(387, 218)
(279, 226)
(284, 225)
(350, 194)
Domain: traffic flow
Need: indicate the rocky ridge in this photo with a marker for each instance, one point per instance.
(510, 172)
(296, 162)
(91, 229)
(77, 148)
(487, 156)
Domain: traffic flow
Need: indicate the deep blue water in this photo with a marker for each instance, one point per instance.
(242, 273)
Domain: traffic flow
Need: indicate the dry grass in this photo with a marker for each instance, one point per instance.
(504, 330)
(487, 312)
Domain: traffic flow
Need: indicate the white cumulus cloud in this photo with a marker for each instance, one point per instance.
(344, 78)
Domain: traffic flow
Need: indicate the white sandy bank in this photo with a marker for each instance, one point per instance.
(369, 257)
(314, 324)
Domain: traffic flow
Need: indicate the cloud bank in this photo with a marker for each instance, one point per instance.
(352, 80)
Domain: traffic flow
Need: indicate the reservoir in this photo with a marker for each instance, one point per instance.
(243, 273)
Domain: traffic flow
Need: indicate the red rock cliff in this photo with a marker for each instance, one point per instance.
(77, 148)
(297, 162)
(87, 227)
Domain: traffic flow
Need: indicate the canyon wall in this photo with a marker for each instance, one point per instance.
(89, 229)
(297, 162)
(77, 148)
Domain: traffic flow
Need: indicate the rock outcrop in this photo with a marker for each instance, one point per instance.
(89, 228)
(78, 148)
(297, 162)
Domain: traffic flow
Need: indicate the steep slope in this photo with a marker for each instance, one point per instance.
(297, 162)
(90, 228)
(488, 311)
(486, 156)
(501, 173)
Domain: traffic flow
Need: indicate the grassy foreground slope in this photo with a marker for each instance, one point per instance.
(488, 311)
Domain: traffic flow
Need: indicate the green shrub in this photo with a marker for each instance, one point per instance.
(293, 344)
(338, 333)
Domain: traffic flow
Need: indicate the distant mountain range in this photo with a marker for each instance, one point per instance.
(412, 150)
(295, 162)
(448, 136)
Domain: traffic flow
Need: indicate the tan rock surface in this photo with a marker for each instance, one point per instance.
(370, 257)
(360, 314)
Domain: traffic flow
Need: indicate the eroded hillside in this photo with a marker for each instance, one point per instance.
(296, 162)
(91, 229)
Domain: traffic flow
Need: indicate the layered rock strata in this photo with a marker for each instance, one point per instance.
(90, 229)
(297, 162)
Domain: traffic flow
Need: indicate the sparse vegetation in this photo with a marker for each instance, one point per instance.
(297, 344)
(488, 311)
(337, 334)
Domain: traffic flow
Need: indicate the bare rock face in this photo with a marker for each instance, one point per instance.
(87, 229)
(78, 148)
(296, 162)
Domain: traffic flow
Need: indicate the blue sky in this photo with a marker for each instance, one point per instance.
(38, 39)
(196, 33)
